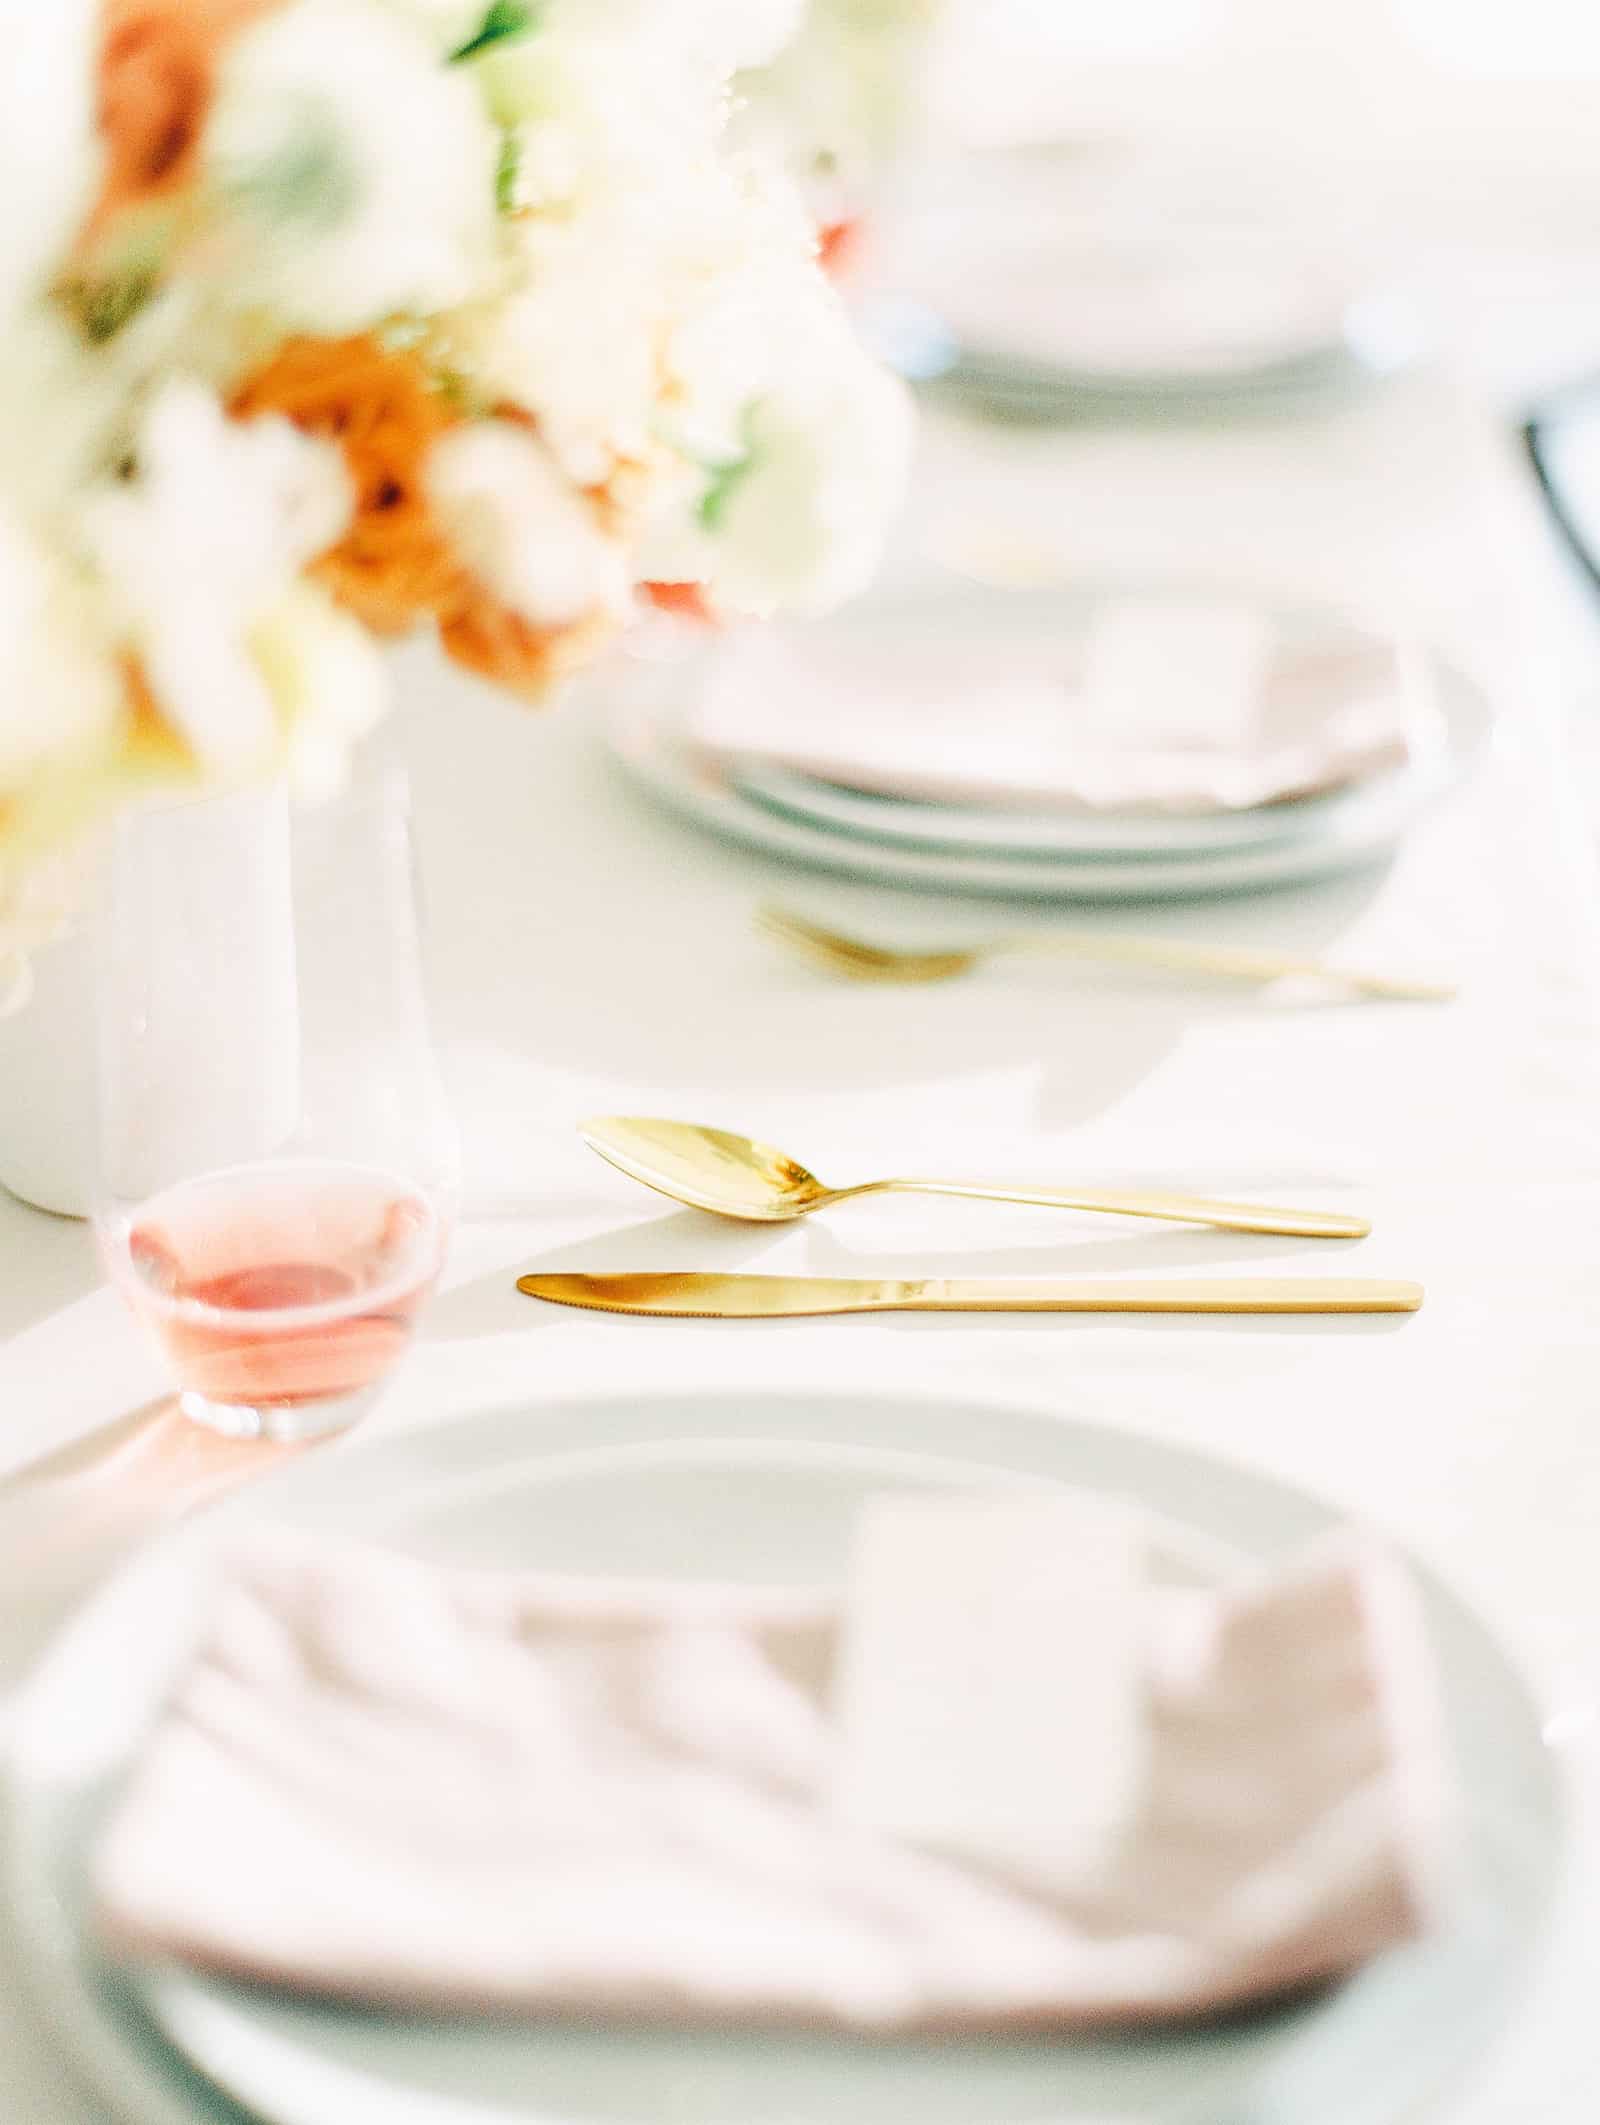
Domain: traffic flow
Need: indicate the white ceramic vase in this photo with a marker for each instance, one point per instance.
(47, 1081)
(217, 886)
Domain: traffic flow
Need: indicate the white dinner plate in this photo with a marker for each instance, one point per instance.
(1066, 400)
(1378, 339)
(1018, 391)
(643, 731)
(762, 1487)
(1114, 273)
(989, 831)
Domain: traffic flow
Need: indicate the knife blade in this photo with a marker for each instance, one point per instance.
(680, 1295)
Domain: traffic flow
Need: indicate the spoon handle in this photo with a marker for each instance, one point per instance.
(1177, 1209)
(1226, 962)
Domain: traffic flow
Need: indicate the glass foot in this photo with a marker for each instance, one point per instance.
(282, 1423)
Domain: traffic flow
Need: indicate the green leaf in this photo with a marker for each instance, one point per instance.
(726, 479)
(125, 276)
(104, 310)
(505, 172)
(505, 19)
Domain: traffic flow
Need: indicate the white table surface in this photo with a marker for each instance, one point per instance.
(592, 956)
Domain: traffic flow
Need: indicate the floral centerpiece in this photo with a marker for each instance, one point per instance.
(325, 320)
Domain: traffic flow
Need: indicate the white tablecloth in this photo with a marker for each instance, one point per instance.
(593, 956)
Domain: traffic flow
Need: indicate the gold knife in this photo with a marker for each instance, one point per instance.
(772, 1298)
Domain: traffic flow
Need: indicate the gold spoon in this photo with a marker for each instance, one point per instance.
(862, 961)
(711, 1169)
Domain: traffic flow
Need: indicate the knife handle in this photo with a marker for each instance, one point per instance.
(708, 1296)
(1163, 1295)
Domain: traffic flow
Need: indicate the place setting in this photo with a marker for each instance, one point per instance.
(1110, 746)
(613, 1758)
(606, 1760)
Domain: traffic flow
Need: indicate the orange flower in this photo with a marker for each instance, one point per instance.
(839, 246)
(686, 601)
(499, 644)
(381, 407)
(395, 566)
(158, 67)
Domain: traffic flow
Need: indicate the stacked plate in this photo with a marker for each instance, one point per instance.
(1071, 745)
(1047, 286)
(1056, 360)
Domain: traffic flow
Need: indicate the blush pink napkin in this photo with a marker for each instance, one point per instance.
(384, 1781)
(941, 710)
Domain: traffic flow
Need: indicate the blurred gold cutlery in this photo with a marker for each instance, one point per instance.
(774, 1298)
(733, 1176)
(863, 961)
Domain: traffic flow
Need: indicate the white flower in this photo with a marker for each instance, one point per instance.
(69, 408)
(354, 171)
(594, 386)
(48, 154)
(746, 306)
(447, 24)
(752, 32)
(843, 92)
(639, 225)
(59, 692)
(805, 526)
(801, 440)
(710, 35)
(200, 548)
(611, 112)
(798, 519)
(707, 328)
(521, 528)
(327, 681)
(619, 198)
(63, 410)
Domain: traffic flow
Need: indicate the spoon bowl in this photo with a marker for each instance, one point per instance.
(860, 960)
(737, 1177)
(709, 1169)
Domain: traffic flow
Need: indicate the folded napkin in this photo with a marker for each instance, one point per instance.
(384, 1781)
(1159, 705)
